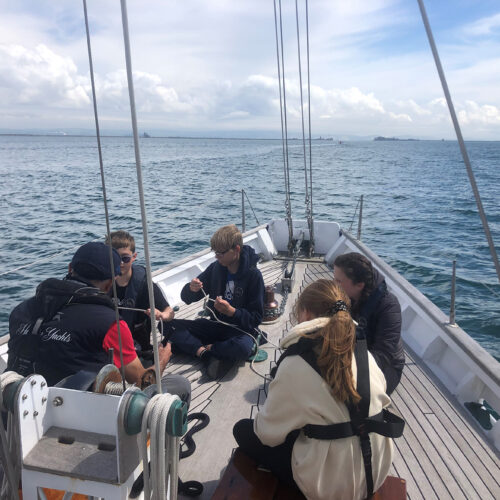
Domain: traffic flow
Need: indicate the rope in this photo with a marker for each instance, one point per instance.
(284, 127)
(104, 195)
(154, 424)
(250, 203)
(10, 456)
(140, 188)
(460, 139)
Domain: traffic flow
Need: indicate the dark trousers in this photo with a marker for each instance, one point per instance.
(228, 343)
(278, 459)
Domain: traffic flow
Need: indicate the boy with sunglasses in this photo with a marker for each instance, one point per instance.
(236, 300)
(132, 291)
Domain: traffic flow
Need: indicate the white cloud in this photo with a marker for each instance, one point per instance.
(483, 26)
(38, 76)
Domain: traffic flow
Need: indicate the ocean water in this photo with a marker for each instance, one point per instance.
(419, 212)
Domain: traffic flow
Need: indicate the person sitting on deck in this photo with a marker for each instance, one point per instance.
(316, 378)
(70, 325)
(236, 298)
(378, 307)
(132, 292)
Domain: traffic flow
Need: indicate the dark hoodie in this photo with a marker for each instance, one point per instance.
(383, 333)
(248, 290)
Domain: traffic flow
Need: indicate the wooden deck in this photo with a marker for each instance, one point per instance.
(442, 453)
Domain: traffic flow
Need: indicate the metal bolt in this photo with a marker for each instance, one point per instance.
(58, 401)
(33, 382)
(44, 399)
(25, 412)
(25, 397)
(43, 384)
(35, 413)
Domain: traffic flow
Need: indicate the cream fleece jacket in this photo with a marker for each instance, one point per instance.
(298, 396)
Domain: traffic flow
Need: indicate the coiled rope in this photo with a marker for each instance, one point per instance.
(154, 423)
(11, 455)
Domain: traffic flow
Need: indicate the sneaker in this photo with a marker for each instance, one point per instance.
(215, 368)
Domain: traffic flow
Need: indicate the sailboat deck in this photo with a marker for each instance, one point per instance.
(442, 453)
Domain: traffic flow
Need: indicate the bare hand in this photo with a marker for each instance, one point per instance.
(168, 314)
(196, 285)
(158, 314)
(224, 307)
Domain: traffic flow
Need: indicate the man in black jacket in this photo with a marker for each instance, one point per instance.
(373, 304)
(70, 325)
(235, 290)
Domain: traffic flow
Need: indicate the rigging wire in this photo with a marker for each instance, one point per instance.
(460, 138)
(104, 195)
(306, 181)
(311, 223)
(283, 116)
(130, 80)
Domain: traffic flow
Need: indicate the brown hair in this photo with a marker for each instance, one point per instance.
(337, 348)
(225, 238)
(359, 270)
(121, 239)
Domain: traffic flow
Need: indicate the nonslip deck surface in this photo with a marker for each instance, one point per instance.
(442, 453)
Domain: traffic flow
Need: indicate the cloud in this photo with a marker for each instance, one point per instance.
(479, 114)
(484, 26)
(40, 76)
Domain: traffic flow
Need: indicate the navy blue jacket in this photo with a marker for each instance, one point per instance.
(76, 318)
(248, 290)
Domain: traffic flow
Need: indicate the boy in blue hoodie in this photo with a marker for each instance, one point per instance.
(236, 290)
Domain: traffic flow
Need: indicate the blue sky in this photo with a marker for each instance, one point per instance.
(210, 66)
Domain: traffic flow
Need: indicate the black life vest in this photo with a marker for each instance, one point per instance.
(60, 331)
(137, 281)
(384, 423)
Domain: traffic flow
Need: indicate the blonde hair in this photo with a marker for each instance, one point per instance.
(225, 238)
(338, 337)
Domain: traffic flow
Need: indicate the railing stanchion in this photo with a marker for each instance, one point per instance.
(360, 217)
(453, 285)
(242, 210)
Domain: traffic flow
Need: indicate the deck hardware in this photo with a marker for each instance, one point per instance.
(25, 397)
(25, 412)
(33, 382)
(35, 413)
(43, 384)
(453, 287)
(44, 400)
(58, 401)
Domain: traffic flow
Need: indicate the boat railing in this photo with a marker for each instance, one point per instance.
(459, 362)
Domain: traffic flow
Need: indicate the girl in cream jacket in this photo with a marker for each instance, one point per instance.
(298, 395)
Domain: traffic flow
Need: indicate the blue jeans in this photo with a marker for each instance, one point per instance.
(228, 343)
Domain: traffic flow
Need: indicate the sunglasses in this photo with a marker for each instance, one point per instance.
(126, 258)
(220, 254)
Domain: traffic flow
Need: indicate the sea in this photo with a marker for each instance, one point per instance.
(419, 212)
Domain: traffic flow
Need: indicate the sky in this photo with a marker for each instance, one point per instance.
(209, 67)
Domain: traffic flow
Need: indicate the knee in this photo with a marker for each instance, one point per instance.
(243, 349)
(242, 430)
(179, 385)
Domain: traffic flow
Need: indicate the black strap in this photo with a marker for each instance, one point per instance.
(188, 488)
(360, 412)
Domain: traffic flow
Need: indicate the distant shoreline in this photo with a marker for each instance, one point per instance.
(316, 139)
